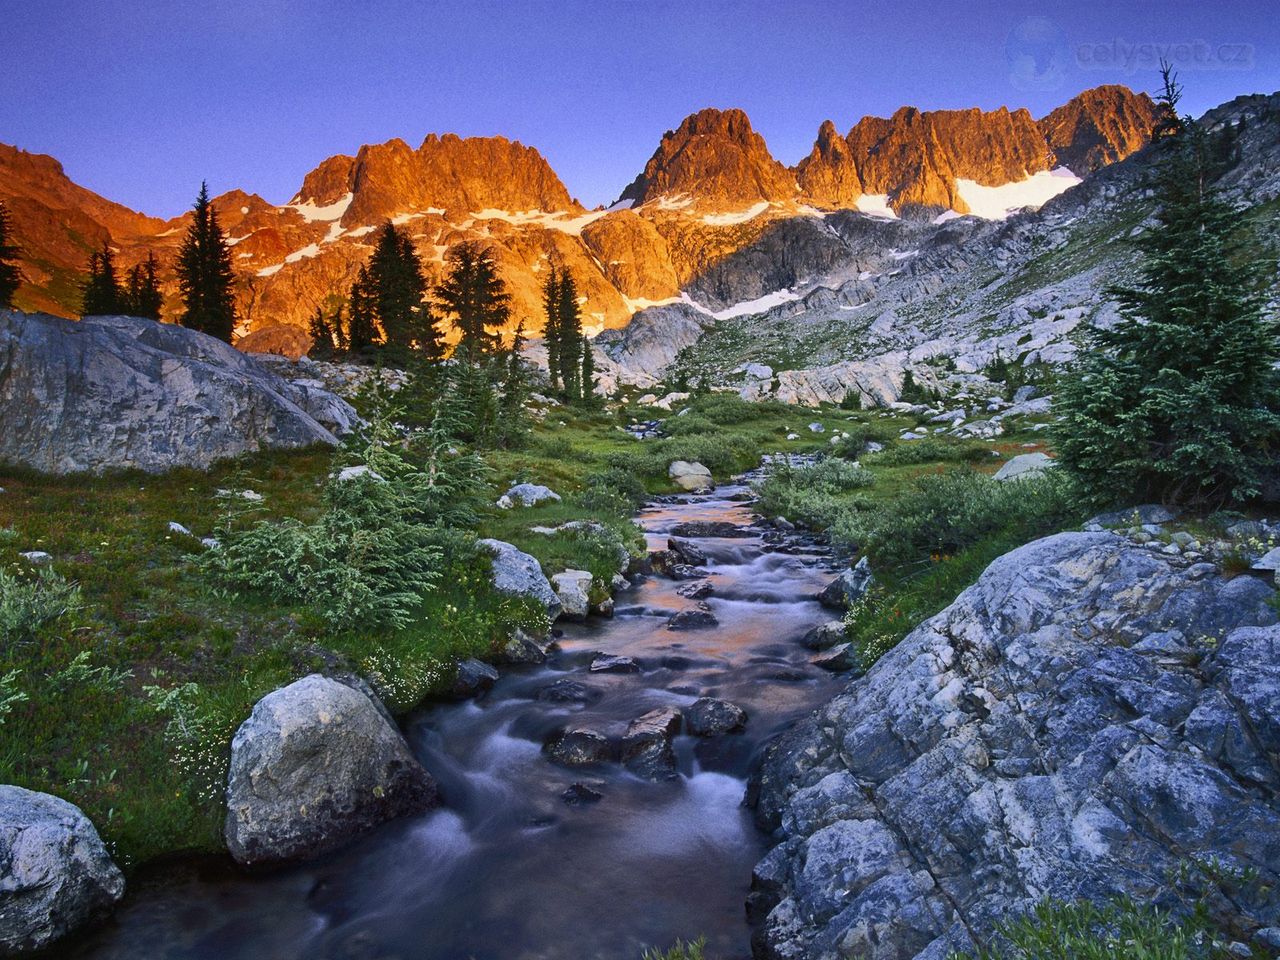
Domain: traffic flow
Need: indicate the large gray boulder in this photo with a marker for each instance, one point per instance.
(848, 588)
(110, 393)
(691, 476)
(1024, 465)
(519, 574)
(641, 351)
(1080, 723)
(647, 748)
(573, 587)
(527, 495)
(55, 874)
(316, 764)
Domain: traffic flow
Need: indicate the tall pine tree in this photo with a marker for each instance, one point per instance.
(551, 326)
(588, 372)
(362, 328)
(142, 297)
(101, 293)
(475, 299)
(204, 274)
(512, 421)
(328, 332)
(569, 321)
(1169, 123)
(1179, 401)
(10, 275)
(400, 291)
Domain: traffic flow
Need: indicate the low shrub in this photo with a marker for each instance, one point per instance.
(722, 452)
(1121, 930)
(362, 561)
(681, 950)
(691, 424)
(854, 446)
(374, 550)
(29, 602)
(943, 514)
(816, 494)
(555, 447)
(931, 449)
(729, 408)
(614, 491)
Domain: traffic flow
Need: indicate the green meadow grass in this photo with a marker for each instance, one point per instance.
(126, 703)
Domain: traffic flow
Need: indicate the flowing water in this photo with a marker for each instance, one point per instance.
(506, 869)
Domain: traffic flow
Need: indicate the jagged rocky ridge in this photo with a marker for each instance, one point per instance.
(1087, 719)
(860, 298)
(711, 189)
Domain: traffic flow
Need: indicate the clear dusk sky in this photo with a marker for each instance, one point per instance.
(141, 99)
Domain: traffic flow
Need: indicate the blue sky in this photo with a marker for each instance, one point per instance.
(141, 99)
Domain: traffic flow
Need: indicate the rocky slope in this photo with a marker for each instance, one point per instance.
(711, 190)
(114, 393)
(58, 224)
(859, 297)
(1087, 719)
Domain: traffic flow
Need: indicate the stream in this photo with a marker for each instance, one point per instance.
(507, 869)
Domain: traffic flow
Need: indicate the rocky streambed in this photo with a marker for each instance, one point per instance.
(592, 805)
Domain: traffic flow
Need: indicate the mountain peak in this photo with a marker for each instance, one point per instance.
(715, 156)
(829, 175)
(447, 172)
(1098, 127)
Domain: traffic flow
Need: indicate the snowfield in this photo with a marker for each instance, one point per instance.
(996, 203)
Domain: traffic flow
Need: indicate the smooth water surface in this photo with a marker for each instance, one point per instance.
(506, 869)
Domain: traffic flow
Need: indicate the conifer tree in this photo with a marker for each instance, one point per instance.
(328, 332)
(321, 338)
(142, 297)
(1179, 401)
(1169, 123)
(204, 272)
(362, 328)
(10, 275)
(470, 398)
(551, 329)
(101, 293)
(400, 287)
(588, 372)
(512, 420)
(569, 322)
(339, 331)
(475, 299)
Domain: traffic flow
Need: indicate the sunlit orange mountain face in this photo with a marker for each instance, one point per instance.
(710, 188)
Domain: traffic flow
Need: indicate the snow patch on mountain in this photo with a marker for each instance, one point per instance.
(636, 304)
(333, 211)
(875, 205)
(676, 202)
(742, 216)
(310, 250)
(552, 221)
(745, 308)
(996, 203)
